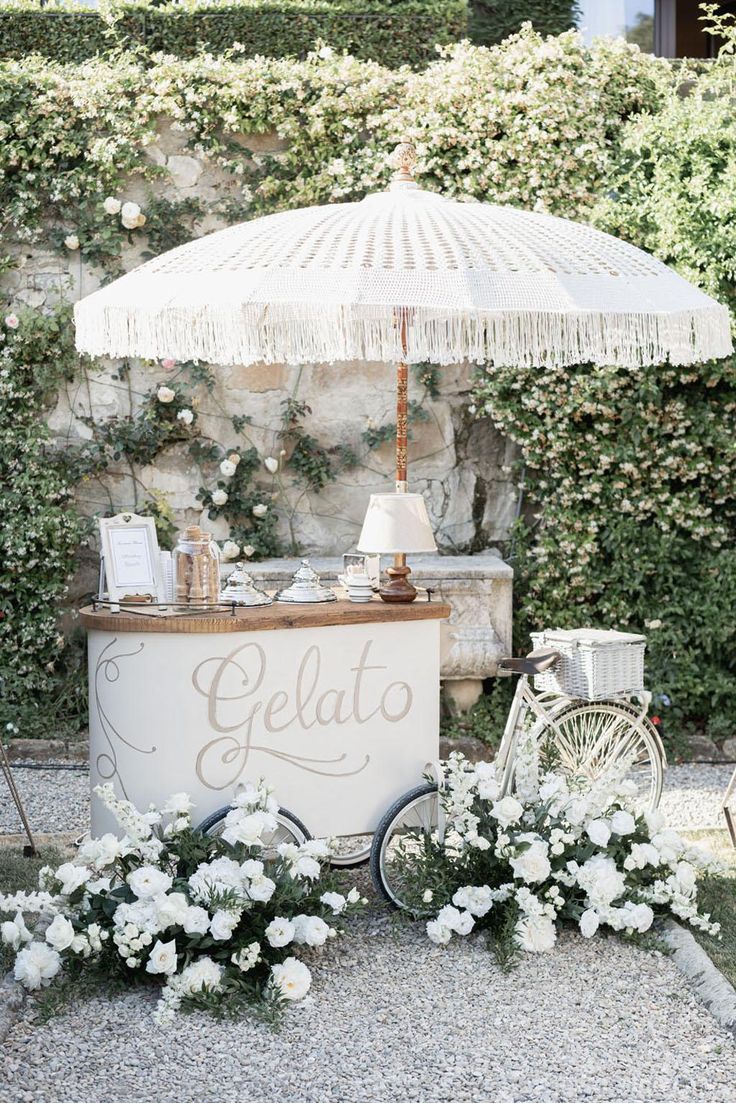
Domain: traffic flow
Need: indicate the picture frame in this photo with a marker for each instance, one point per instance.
(131, 560)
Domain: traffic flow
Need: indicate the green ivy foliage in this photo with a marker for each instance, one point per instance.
(40, 531)
(394, 32)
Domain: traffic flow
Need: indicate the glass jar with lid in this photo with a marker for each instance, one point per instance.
(196, 568)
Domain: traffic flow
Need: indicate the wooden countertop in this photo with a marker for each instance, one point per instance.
(264, 618)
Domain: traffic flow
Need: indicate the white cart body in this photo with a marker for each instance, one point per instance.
(336, 706)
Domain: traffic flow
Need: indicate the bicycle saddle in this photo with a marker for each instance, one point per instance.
(536, 662)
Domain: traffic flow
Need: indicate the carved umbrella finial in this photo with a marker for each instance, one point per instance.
(404, 158)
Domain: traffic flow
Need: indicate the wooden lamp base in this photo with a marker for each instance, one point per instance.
(398, 588)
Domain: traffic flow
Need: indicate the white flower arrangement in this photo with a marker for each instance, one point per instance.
(216, 919)
(561, 849)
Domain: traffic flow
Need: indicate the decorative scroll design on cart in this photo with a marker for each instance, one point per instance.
(246, 666)
(106, 762)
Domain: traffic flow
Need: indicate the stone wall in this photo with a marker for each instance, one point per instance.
(461, 465)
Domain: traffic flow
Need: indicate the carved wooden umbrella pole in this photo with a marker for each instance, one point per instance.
(406, 276)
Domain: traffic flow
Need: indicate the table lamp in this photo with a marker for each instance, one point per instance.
(396, 524)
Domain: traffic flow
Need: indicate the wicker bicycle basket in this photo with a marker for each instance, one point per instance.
(594, 664)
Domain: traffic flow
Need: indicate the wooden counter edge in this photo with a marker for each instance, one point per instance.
(267, 618)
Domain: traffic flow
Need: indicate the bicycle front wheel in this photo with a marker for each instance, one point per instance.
(593, 738)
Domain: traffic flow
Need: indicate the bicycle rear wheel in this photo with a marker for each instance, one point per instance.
(592, 738)
(408, 828)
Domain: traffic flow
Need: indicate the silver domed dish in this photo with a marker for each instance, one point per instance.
(305, 588)
(240, 589)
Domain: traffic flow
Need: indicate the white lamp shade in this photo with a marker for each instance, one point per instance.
(396, 524)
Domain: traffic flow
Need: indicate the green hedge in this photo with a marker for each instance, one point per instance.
(389, 31)
(493, 20)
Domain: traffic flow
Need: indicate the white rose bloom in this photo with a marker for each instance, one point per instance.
(100, 852)
(291, 978)
(600, 880)
(598, 832)
(271, 464)
(72, 877)
(669, 844)
(488, 789)
(437, 933)
(72, 242)
(623, 823)
(589, 923)
(80, 945)
(230, 550)
(686, 877)
(165, 394)
(223, 923)
(507, 811)
(477, 899)
(247, 829)
(178, 804)
(251, 867)
(280, 932)
(15, 932)
(639, 916)
(36, 965)
(186, 416)
(163, 958)
(261, 889)
(335, 901)
(60, 933)
(305, 866)
(576, 810)
(171, 910)
(536, 934)
(219, 496)
(148, 881)
(248, 550)
(316, 848)
(202, 973)
(196, 920)
(532, 865)
(461, 922)
(353, 896)
(248, 957)
(310, 930)
(130, 214)
(112, 205)
(260, 510)
(227, 468)
(428, 896)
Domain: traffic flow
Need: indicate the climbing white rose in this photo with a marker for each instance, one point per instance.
(271, 464)
(230, 550)
(248, 550)
(186, 416)
(165, 394)
(219, 496)
(112, 205)
(72, 242)
(260, 510)
(291, 978)
(130, 215)
(162, 958)
(227, 467)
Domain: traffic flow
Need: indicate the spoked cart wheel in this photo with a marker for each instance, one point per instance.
(593, 738)
(289, 829)
(405, 830)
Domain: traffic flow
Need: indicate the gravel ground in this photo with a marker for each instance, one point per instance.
(392, 1017)
(693, 795)
(58, 800)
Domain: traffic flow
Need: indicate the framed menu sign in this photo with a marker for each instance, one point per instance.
(131, 557)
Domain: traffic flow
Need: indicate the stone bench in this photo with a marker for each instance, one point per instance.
(477, 587)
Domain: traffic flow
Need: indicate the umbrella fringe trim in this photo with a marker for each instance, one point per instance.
(282, 334)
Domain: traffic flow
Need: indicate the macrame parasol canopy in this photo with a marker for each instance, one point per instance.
(469, 281)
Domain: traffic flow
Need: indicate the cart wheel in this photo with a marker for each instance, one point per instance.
(350, 851)
(289, 829)
(406, 828)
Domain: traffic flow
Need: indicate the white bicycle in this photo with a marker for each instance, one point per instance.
(588, 738)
